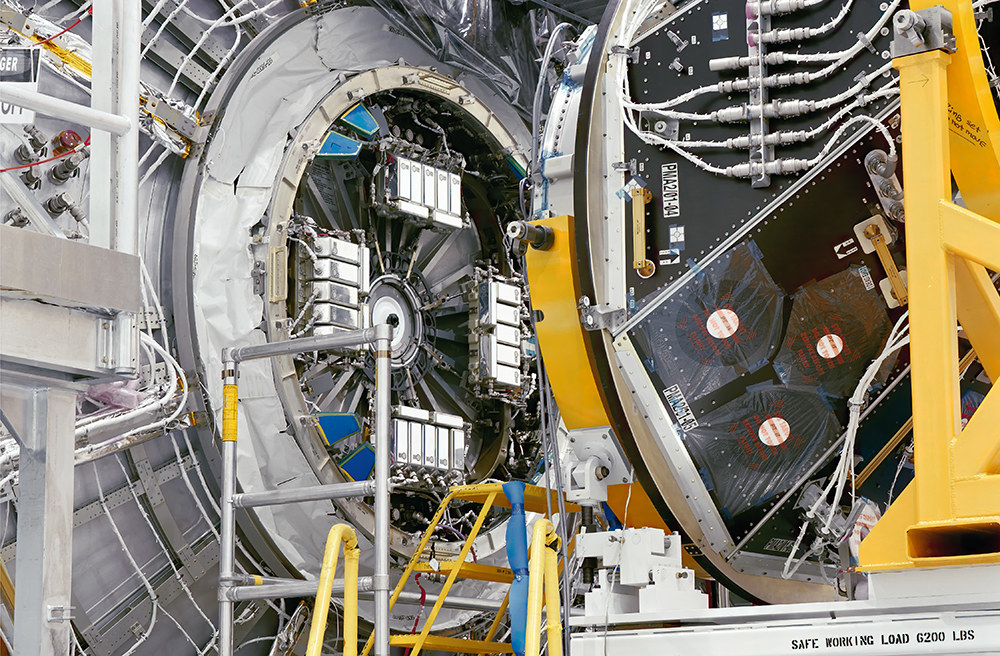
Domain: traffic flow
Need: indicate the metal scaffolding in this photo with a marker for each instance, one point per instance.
(230, 589)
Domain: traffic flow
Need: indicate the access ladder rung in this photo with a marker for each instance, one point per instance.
(468, 570)
(456, 645)
(534, 497)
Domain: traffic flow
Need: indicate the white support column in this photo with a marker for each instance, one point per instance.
(114, 159)
(44, 418)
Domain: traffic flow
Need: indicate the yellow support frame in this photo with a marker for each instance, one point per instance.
(543, 588)
(339, 534)
(421, 638)
(489, 495)
(553, 281)
(950, 514)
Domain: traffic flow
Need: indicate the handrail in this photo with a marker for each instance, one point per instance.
(339, 533)
(543, 576)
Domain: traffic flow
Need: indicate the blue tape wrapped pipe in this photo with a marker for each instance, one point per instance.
(517, 558)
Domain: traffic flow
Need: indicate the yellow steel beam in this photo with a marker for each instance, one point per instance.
(950, 514)
(974, 128)
(978, 496)
(979, 313)
(975, 456)
(553, 281)
(473, 571)
(933, 344)
(453, 645)
(969, 235)
(534, 497)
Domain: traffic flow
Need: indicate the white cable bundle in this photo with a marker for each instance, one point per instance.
(639, 10)
(898, 338)
(801, 33)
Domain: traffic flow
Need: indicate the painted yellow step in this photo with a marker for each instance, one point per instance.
(458, 645)
(469, 570)
(534, 497)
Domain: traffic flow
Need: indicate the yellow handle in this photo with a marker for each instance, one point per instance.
(338, 533)
(543, 575)
(640, 196)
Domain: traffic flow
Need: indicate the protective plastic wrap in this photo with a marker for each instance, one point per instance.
(837, 328)
(758, 445)
(727, 321)
(491, 38)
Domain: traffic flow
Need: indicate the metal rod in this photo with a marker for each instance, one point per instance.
(312, 493)
(383, 383)
(308, 589)
(274, 588)
(227, 528)
(340, 340)
(18, 96)
(125, 148)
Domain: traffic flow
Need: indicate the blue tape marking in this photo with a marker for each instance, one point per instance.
(706, 478)
(699, 273)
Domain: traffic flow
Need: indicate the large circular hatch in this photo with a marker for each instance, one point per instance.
(332, 195)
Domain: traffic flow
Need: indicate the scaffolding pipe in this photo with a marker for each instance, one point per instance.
(125, 148)
(294, 589)
(383, 355)
(350, 490)
(15, 94)
(381, 336)
(227, 527)
(342, 340)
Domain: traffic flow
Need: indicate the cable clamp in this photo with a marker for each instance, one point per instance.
(867, 43)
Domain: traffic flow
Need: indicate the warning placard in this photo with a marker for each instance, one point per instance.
(18, 66)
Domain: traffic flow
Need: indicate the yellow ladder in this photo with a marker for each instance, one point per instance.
(489, 495)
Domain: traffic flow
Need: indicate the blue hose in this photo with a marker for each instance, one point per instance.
(517, 558)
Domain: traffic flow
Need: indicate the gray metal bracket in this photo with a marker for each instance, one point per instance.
(595, 317)
(922, 31)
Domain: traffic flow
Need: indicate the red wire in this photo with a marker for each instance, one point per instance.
(47, 160)
(423, 600)
(79, 20)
